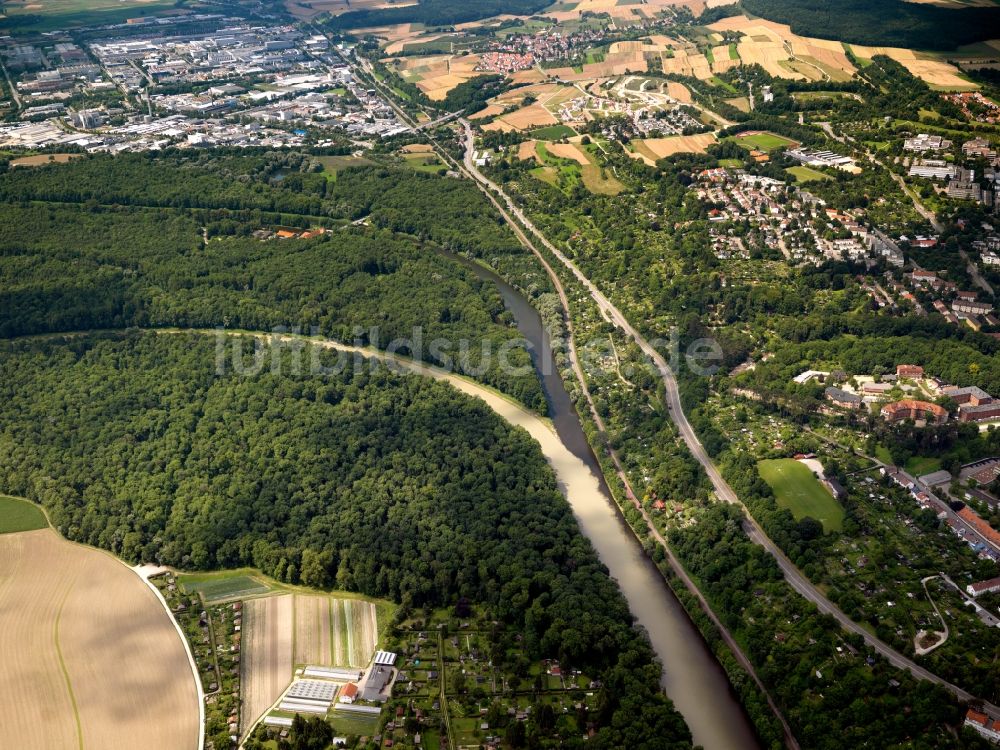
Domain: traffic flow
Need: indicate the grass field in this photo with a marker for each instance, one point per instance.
(333, 164)
(552, 133)
(797, 489)
(20, 515)
(90, 657)
(345, 723)
(423, 162)
(807, 174)
(920, 465)
(763, 141)
(576, 162)
(883, 455)
(227, 584)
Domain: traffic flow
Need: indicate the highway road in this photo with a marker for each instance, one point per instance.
(796, 579)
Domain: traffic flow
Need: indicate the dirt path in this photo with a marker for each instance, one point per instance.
(942, 635)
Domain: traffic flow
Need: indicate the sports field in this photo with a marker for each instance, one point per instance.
(797, 489)
(20, 515)
(763, 141)
(90, 657)
(807, 174)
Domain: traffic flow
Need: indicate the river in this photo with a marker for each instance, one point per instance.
(692, 677)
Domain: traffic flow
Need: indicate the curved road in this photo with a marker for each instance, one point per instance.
(793, 575)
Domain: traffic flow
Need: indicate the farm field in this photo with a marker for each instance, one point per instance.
(313, 8)
(228, 584)
(20, 515)
(651, 150)
(40, 159)
(785, 54)
(436, 75)
(54, 15)
(334, 632)
(797, 489)
(91, 658)
(527, 118)
(266, 666)
(291, 630)
(763, 141)
(572, 160)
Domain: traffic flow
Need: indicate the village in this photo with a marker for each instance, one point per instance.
(787, 219)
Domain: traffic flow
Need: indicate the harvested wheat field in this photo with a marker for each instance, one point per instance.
(687, 64)
(524, 118)
(526, 150)
(767, 44)
(652, 149)
(679, 92)
(312, 630)
(266, 668)
(721, 59)
(91, 658)
(312, 8)
(436, 75)
(568, 151)
(39, 159)
(490, 110)
(936, 73)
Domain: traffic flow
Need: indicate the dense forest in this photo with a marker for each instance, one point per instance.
(435, 13)
(890, 23)
(65, 267)
(391, 485)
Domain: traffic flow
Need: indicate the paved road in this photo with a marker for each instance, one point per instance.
(793, 575)
(10, 85)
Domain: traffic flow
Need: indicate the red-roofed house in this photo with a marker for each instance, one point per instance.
(983, 724)
(349, 693)
(983, 587)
